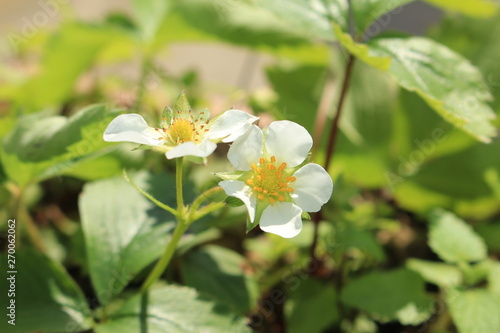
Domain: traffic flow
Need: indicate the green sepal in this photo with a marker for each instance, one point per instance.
(233, 202)
(235, 175)
(182, 109)
(305, 215)
(166, 117)
(259, 209)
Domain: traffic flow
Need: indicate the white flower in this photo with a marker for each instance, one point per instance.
(182, 133)
(274, 182)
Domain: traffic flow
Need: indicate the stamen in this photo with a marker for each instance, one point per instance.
(282, 166)
(273, 159)
(260, 196)
(261, 160)
(253, 166)
(281, 198)
(249, 181)
(290, 189)
(291, 179)
(271, 200)
(283, 189)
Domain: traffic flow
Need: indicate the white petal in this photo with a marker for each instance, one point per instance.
(205, 148)
(238, 189)
(283, 219)
(231, 125)
(132, 128)
(313, 187)
(288, 141)
(247, 149)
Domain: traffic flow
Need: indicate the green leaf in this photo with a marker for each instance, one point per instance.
(124, 232)
(39, 148)
(353, 240)
(453, 240)
(444, 79)
(68, 53)
(149, 15)
(474, 311)
(46, 297)
(362, 51)
(311, 307)
(476, 8)
(238, 23)
(440, 274)
(298, 90)
(111, 164)
(218, 272)
(172, 309)
(315, 18)
(397, 294)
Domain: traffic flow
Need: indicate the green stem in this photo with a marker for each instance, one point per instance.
(166, 257)
(182, 225)
(149, 196)
(178, 183)
(207, 210)
(204, 196)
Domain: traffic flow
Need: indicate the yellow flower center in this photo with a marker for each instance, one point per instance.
(183, 130)
(269, 181)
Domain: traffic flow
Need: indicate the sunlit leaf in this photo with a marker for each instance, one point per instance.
(124, 232)
(474, 311)
(453, 240)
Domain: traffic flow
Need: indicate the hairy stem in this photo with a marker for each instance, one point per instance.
(180, 229)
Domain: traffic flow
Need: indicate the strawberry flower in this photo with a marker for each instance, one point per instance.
(182, 133)
(274, 180)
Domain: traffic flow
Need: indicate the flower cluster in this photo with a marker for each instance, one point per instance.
(275, 182)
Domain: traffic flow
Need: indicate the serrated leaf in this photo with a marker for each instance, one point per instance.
(440, 274)
(39, 148)
(397, 294)
(218, 272)
(474, 311)
(448, 82)
(124, 232)
(476, 8)
(46, 297)
(311, 307)
(453, 240)
(172, 309)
